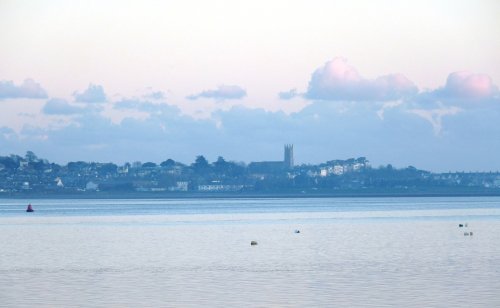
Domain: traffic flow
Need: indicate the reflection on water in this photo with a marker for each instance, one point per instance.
(171, 253)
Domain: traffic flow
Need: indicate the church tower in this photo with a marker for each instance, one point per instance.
(288, 161)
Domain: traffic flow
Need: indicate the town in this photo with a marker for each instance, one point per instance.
(28, 174)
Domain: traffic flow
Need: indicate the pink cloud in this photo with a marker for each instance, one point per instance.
(337, 80)
(338, 71)
(468, 85)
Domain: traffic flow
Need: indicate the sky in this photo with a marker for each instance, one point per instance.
(399, 82)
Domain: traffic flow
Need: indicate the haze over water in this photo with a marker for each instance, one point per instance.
(192, 253)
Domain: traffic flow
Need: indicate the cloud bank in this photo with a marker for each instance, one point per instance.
(28, 89)
(320, 132)
(385, 119)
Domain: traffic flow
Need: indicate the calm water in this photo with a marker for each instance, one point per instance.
(197, 253)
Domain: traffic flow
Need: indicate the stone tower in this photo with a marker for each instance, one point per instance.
(288, 161)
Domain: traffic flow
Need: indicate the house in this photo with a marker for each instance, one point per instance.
(219, 187)
(180, 186)
(91, 186)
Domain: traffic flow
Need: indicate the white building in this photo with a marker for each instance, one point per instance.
(91, 186)
(219, 187)
(180, 186)
(59, 182)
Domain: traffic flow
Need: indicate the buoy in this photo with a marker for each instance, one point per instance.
(30, 209)
(297, 231)
(253, 243)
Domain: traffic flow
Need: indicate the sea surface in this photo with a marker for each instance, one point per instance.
(350, 252)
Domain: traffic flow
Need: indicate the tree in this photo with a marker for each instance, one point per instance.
(148, 165)
(200, 165)
(362, 160)
(108, 168)
(31, 157)
(9, 162)
(38, 165)
(220, 165)
(77, 166)
(169, 163)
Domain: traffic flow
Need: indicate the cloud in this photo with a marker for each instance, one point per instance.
(429, 129)
(28, 89)
(56, 106)
(93, 94)
(221, 93)
(137, 104)
(387, 105)
(435, 116)
(129, 104)
(320, 132)
(155, 95)
(339, 81)
(143, 105)
(462, 89)
(467, 87)
(287, 95)
(7, 133)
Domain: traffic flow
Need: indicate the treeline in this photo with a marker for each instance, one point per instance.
(30, 174)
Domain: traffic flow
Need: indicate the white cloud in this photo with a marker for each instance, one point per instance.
(388, 105)
(435, 116)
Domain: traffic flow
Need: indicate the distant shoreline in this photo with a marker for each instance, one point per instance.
(256, 195)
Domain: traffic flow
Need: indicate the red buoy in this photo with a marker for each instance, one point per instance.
(30, 209)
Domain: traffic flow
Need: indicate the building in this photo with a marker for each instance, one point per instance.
(266, 167)
(274, 167)
(288, 159)
(91, 186)
(180, 186)
(219, 187)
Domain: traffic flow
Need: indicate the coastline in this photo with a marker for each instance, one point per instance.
(471, 192)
